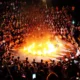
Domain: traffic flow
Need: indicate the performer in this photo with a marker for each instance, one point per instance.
(78, 51)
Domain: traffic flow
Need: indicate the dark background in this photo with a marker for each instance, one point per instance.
(51, 3)
(75, 3)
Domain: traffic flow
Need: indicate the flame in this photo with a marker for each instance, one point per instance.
(42, 48)
(43, 43)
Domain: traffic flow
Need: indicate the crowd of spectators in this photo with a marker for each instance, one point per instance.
(15, 69)
(16, 23)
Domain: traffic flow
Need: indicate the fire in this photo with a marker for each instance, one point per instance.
(42, 43)
(42, 48)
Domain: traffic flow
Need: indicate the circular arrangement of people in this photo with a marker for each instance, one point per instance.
(39, 40)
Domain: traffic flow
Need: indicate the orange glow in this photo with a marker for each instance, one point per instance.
(43, 48)
(41, 42)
